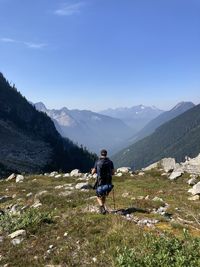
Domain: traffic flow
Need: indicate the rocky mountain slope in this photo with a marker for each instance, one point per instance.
(29, 141)
(176, 138)
(53, 219)
(135, 117)
(88, 128)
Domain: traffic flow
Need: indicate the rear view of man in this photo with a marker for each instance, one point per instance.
(105, 169)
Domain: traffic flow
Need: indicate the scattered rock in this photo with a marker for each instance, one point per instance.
(29, 194)
(124, 169)
(150, 167)
(192, 181)
(195, 190)
(141, 173)
(1, 239)
(58, 176)
(19, 178)
(192, 165)
(83, 186)
(37, 204)
(17, 234)
(75, 173)
(168, 164)
(148, 222)
(196, 197)
(158, 199)
(66, 175)
(17, 241)
(175, 174)
(52, 174)
(11, 177)
(94, 259)
(119, 174)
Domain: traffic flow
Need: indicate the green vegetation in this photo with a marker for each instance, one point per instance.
(30, 220)
(161, 251)
(176, 138)
(65, 230)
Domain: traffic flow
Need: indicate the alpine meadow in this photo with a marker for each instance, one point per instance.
(99, 133)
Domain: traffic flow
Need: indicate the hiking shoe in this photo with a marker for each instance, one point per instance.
(102, 210)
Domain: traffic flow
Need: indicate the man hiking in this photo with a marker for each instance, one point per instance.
(105, 169)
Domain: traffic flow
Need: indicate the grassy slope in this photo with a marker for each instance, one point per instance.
(89, 234)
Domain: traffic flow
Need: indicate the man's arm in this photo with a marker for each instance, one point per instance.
(93, 171)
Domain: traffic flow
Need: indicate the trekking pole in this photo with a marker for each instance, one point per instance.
(114, 199)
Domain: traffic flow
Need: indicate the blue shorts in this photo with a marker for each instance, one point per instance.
(104, 190)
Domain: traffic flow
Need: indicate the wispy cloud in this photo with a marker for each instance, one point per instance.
(34, 45)
(69, 9)
(27, 44)
(8, 40)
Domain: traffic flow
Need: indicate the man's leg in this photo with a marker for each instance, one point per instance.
(101, 201)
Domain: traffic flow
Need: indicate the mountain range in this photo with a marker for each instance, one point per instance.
(87, 128)
(176, 138)
(161, 119)
(29, 141)
(135, 117)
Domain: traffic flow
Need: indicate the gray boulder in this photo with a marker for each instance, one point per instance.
(11, 177)
(17, 233)
(83, 186)
(175, 174)
(151, 167)
(19, 178)
(192, 181)
(195, 190)
(75, 173)
(192, 165)
(168, 164)
(124, 169)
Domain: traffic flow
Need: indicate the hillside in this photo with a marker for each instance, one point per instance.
(58, 224)
(29, 141)
(176, 138)
(88, 128)
(161, 119)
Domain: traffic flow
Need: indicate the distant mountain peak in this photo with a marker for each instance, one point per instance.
(183, 104)
(40, 106)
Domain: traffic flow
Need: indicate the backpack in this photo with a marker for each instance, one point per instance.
(104, 171)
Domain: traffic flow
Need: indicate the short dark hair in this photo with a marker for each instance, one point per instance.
(104, 152)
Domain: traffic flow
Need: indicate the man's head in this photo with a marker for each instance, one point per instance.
(103, 153)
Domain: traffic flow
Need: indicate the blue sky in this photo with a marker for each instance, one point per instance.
(94, 54)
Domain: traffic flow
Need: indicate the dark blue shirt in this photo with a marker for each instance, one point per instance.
(104, 173)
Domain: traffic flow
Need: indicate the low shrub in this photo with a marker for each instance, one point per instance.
(162, 251)
(30, 220)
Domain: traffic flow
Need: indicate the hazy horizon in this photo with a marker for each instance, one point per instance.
(97, 54)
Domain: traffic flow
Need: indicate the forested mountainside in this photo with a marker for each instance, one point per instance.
(177, 138)
(29, 141)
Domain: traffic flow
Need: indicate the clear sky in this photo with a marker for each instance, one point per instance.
(94, 54)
